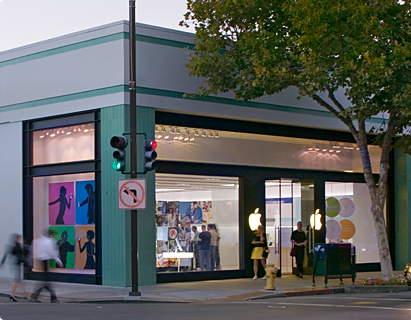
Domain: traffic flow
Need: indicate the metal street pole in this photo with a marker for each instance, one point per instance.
(133, 145)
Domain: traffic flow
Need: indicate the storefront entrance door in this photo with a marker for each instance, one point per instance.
(287, 202)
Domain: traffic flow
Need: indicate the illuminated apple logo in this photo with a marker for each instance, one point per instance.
(254, 220)
(315, 220)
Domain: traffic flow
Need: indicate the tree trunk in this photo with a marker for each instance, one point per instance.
(377, 209)
(378, 195)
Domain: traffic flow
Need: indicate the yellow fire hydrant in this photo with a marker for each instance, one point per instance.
(270, 273)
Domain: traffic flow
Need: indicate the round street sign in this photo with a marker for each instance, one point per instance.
(132, 194)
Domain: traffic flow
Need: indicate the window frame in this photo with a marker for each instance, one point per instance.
(31, 171)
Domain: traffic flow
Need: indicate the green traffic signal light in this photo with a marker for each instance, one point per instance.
(119, 143)
(116, 165)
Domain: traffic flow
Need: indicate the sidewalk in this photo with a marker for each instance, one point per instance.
(202, 291)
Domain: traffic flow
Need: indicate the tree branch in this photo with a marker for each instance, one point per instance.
(333, 98)
(349, 123)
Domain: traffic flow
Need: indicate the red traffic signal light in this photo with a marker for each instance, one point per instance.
(150, 155)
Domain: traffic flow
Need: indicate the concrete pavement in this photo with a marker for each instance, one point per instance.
(202, 291)
(336, 307)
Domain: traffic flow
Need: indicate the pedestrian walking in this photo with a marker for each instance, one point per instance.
(259, 250)
(299, 241)
(204, 247)
(45, 250)
(19, 254)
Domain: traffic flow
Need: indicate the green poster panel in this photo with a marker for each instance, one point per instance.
(65, 240)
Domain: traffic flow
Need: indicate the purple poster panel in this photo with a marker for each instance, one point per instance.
(61, 204)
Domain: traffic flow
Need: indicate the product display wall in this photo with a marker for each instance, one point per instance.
(349, 219)
(181, 208)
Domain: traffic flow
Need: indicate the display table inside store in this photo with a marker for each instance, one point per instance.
(179, 256)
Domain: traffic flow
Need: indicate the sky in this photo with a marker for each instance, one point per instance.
(27, 21)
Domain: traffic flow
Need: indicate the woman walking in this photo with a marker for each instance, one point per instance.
(19, 253)
(259, 247)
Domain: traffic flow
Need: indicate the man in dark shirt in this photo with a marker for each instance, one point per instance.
(204, 247)
(299, 240)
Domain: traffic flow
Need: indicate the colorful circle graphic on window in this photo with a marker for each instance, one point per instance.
(333, 230)
(347, 207)
(347, 229)
(333, 207)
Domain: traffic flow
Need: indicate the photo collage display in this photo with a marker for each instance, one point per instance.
(71, 213)
(174, 220)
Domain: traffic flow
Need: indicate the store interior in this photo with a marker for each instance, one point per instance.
(184, 201)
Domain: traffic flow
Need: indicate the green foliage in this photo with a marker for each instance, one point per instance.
(327, 49)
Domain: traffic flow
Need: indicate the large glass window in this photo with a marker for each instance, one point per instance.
(349, 218)
(65, 144)
(61, 181)
(225, 147)
(197, 223)
(66, 205)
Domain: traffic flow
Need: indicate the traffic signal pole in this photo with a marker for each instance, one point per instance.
(133, 144)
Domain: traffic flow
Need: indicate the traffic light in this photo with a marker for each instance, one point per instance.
(150, 155)
(119, 155)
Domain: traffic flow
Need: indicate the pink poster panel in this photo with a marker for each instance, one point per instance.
(61, 204)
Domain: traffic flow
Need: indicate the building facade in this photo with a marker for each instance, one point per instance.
(220, 159)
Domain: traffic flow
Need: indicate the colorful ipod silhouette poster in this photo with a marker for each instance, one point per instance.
(61, 203)
(85, 202)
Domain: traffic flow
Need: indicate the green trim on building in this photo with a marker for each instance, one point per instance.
(114, 222)
(170, 94)
(63, 49)
(95, 42)
(116, 235)
(65, 98)
(146, 217)
(233, 102)
(165, 42)
(402, 171)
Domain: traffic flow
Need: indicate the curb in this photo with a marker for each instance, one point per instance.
(314, 292)
(376, 289)
(127, 301)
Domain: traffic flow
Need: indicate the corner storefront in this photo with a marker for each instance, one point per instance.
(219, 160)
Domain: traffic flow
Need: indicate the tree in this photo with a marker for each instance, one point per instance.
(352, 57)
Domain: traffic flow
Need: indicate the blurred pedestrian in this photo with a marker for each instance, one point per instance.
(45, 250)
(18, 253)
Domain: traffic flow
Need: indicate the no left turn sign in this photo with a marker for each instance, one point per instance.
(132, 194)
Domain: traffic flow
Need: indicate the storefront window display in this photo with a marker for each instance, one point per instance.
(349, 219)
(62, 202)
(226, 147)
(197, 223)
(65, 144)
(66, 205)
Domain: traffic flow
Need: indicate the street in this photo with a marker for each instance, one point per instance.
(340, 306)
